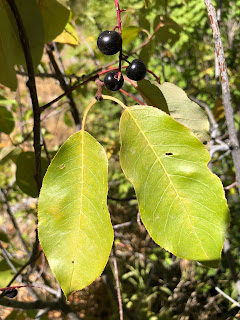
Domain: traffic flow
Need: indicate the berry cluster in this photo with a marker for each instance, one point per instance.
(109, 43)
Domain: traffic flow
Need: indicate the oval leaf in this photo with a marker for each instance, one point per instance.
(173, 100)
(6, 121)
(181, 202)
(26, 171)
(75, 230)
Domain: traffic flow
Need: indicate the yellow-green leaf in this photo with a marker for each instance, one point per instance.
(69, 35)
(181, 202)
(75, 230)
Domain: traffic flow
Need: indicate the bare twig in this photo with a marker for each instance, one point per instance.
(9, 262)
(227, 297)
(122, 225)
(234, 184)
(234, 144)
(65, 86)
(52, 75)
(117, 284)
(14, 222)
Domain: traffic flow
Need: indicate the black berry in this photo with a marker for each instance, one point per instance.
(111, 82)
(136, 70)
(10, 293)
(109, 42)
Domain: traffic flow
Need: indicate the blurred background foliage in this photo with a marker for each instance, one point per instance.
(154, 284)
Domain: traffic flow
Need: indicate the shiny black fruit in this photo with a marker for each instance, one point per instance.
(10, 293)
(109, 42)
(136, 70)
(111, 82)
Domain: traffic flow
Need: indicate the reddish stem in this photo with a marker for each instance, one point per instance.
(119, 25)
(130, 95)
(157, 78)
(112, 69)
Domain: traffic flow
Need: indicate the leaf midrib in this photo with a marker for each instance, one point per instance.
(159, 160)
(79, 223)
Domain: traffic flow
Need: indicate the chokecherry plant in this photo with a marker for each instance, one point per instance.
(181, 202)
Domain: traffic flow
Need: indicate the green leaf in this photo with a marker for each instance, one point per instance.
(75, 230)
(11, 52)
(26, 171)
(68, 120)
(6, 120)
(31, 16)
(7, 53)
(169, 31)
(55, 17)
(173, 100)
(182, 204)
(129, 34)
(4, 237)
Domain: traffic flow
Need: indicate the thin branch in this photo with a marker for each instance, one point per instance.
(21, 269)
(107, 280)
(32, 89)
(234, 144)
(91, 77)
(234, 184)
(143, 44)
(52, 75)
(117, 284)
(227, 297)
(65, 86)
(130, 95)
(5, 255)
(36, 305)
(122, 225)
(14, 222)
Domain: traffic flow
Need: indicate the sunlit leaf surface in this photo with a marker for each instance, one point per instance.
(75, 230)
(181, 202)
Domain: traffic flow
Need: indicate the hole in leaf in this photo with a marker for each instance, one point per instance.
(168, 154)
(205, 142)
(62, 166)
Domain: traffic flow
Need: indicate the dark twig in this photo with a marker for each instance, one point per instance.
(234, 144)
(52, 75)
(32, 89)
(14, 222)
(65, 86)
(90, 77)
